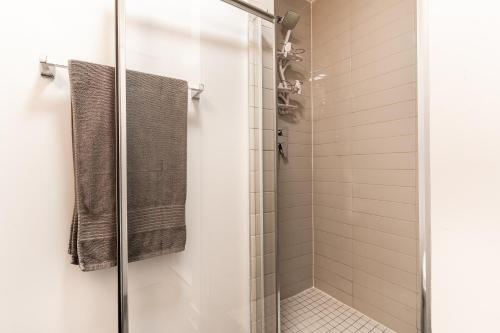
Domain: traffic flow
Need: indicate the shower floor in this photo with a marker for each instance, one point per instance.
(314, 311)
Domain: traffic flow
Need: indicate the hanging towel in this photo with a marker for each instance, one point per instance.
(156, 162)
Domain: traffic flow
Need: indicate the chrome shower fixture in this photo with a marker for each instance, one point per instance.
(289, 21)
(286, 56)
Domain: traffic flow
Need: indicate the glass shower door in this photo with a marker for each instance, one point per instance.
(208, 286)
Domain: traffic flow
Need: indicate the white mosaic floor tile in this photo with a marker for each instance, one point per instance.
(313, 311)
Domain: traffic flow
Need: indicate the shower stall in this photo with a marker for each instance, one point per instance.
(294, 177)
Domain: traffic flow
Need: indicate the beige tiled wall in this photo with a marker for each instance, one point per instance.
(295, 175)
(349, 186)
(364, 192)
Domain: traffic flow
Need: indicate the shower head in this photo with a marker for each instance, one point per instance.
(290, 20)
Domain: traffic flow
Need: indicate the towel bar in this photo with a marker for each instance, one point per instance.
(48, 70)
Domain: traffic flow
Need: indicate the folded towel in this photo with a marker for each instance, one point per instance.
(156, 162)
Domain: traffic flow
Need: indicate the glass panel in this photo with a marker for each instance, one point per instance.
(207, 286)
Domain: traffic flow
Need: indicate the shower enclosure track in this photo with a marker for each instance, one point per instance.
(121, 165)
(251, 9)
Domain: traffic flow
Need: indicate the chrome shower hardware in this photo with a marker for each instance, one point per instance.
(283, 142)
(48, 70)
(289, 21)
(286, 57)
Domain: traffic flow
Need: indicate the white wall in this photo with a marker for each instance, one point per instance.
(204, 289)
(465, 164)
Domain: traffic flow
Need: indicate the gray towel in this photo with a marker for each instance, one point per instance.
(156, 149)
